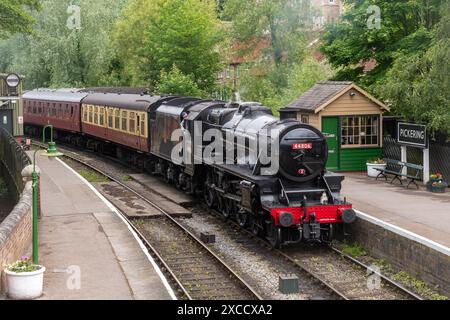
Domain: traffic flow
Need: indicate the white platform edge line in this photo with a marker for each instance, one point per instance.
(405, 233)
(139, 241)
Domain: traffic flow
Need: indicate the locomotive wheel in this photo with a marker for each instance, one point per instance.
(274, 235)
(228, 208)
(242, 219)
(209, 196)
(255, 227)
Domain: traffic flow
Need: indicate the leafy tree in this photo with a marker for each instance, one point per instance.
(59, 54)
(176, 83)
(186, 33)
(418, 85)
(406, 26)
(14, 18)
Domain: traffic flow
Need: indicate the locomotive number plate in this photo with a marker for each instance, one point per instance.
(302, 146)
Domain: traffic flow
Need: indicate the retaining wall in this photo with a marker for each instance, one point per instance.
(427, 262)
(16, 232)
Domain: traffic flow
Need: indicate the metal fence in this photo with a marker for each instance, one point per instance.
(439, 156)
(12, 161)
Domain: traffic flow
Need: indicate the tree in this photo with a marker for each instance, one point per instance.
(14, 18)
(176, 83)
(405, 27)
(59, 54)
(186, 33)
(418, 84)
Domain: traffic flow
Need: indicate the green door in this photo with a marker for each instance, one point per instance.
(330, 127)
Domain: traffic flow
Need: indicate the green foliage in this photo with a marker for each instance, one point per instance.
(421, 287)
(15, 18)
(300, 78)
(405, 27)
(92, 176)
(176, 83)
(411, 50)
(354, 250)
(418, 85)
(57, 56)
(184, 33)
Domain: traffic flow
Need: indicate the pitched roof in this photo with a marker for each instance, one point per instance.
(325, 92)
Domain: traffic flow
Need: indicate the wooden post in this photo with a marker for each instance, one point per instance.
(426, 165)
(404, 159)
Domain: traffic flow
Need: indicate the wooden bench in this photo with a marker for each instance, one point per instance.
(395, 168)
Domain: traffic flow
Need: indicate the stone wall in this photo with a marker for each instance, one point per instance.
(419, 260)
(16, 232)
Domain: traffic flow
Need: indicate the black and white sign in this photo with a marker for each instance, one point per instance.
(413, 135)
(13, 80)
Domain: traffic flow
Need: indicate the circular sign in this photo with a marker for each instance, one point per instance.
(13, 80)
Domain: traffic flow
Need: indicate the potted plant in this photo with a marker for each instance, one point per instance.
(24, 279)
(437, 183)
(373, 165)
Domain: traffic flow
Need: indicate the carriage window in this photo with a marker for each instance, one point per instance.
(124, 120)
(60, 111)
(143, 124)
(96, 115)
(71, 111)
(117, 120)
(90, 115)
(102, 117)
(54, 110)
(85, 114)
(110, 118)
(132, 122)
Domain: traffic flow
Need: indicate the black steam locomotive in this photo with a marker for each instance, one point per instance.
(266, 173)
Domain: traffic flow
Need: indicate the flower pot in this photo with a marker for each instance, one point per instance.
(26, 285)
(371, 169)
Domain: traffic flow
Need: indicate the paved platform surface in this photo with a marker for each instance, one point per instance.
(88, 250)
(419, 211)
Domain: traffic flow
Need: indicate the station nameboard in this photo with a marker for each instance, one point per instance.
(412, 135)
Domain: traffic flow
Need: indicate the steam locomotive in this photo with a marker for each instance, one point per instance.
(288, 199)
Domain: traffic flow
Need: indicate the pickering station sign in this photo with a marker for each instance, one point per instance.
(412, 135)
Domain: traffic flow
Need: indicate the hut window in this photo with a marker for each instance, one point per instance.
(124, 120)
(305, 119)
(360, 131)
(117, 120)
(132, 122)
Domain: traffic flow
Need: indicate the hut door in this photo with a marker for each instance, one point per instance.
(330, 127)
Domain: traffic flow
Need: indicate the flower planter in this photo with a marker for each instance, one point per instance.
(371, 169)
(26, 285)
(436, 189)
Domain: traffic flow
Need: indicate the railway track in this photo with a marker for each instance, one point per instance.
(345, 276)
(197, 272)
(338, 274)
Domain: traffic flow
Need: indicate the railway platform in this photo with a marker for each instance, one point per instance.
(87, 248)
(410, 211)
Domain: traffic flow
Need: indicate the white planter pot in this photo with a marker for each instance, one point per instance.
(371, 172)
(25, 286)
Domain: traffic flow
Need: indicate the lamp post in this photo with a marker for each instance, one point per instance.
(51, 153)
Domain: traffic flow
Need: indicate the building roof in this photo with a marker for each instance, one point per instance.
(323, 94)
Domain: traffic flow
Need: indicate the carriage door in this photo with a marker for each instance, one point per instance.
(330, 128)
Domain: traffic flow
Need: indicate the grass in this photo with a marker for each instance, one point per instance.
(92, 176)
(420, 286)
(126, 178)
(354, 250)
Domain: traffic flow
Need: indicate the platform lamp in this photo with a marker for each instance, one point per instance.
(51, 152)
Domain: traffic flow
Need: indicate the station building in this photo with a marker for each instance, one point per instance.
(11, 109)
(351, 118)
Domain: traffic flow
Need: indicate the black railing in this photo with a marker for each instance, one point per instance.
(13, 160)
(439, 156)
